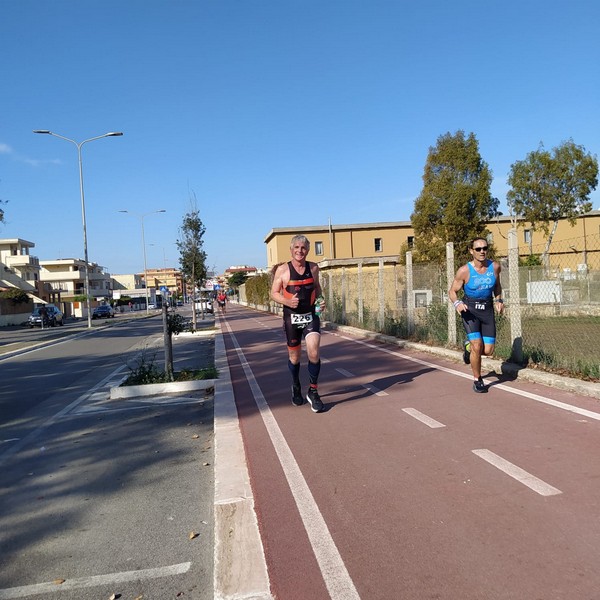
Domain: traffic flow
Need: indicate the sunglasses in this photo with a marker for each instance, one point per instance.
(481, 249)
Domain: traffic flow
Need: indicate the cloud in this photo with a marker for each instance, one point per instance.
(34, 162)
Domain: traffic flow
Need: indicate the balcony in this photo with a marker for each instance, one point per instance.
(21, 261)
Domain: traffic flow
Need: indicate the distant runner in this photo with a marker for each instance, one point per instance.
(222, 301)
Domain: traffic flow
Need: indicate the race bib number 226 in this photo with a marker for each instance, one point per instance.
(301, 320)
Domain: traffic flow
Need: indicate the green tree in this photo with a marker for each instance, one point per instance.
(549, 186)
(455, 201)
(237, 279)
(192, 257)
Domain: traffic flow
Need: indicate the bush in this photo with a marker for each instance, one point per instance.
(15, 295)
(258, 289)
(145, 371)
(176, 323)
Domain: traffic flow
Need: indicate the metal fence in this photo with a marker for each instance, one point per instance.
(552, 308)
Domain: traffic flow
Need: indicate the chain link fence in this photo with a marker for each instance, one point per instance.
(552, 303)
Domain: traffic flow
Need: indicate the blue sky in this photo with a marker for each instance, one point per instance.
(272, 113)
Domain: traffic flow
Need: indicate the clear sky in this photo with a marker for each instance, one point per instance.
(270, 113)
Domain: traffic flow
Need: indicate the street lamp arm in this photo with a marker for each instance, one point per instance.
(78, 144)
(83, 219)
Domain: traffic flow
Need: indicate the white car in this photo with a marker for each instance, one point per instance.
(203, 305)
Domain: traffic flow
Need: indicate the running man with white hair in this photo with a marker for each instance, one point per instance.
(296, 286)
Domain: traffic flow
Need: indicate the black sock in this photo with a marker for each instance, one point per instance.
(313, 372)
(295, 371)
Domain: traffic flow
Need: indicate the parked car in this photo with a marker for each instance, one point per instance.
(50, 314)
(204, 304)
(103, 311)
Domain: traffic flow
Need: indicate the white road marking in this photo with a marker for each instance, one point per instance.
(542, 399)
(345, 373)
(522, 476)
(367, 386)
(374, 390)
(413, 412)
(96, 580)
(337, 579)
(36, 432)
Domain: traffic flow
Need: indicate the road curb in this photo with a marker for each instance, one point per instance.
(509, 370)
(240, 568)
(153, 389)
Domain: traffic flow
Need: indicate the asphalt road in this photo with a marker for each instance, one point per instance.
(102, 497)
(410, 485)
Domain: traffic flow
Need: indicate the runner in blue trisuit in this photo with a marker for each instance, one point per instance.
(480, 282)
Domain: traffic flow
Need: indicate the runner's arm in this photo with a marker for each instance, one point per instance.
(278, 286)
(457, 284)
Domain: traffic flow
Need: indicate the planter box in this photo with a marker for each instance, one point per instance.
(154, 389)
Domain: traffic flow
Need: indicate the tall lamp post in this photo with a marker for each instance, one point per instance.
(85, 246)
(141, 218)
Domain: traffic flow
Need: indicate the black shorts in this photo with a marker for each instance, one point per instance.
(479, 320)
(295, 332)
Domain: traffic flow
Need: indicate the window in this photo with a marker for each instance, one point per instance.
(410, 241)
(378, 245)
(527, 236)
(319, 248)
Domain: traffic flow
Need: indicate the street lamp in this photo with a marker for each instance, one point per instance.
(141, 218)
(85, 248)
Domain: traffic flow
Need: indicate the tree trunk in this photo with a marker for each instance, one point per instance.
(168, 345)
(545, 260)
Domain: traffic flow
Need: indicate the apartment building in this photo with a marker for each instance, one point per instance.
(168, 277)
(64, 279)
(18, 268)
(573, 247)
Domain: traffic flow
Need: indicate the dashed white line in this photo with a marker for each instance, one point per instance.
(367, 386)
(413, 412)
(522, 476)
(500, 386)
(96, 580)
(374, 390)
(345, 373)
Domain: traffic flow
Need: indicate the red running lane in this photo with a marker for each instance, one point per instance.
(413, 511)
